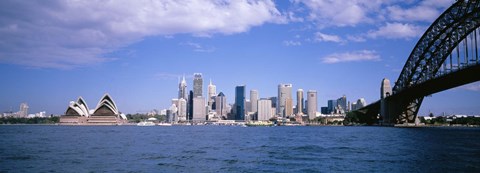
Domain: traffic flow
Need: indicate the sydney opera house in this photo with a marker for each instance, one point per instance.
(106, 113)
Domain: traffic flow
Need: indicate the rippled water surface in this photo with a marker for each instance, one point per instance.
(237, 149)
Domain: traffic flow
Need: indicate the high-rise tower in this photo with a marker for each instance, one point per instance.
(312, 104)
(197, 85)
(254, 100)
(300, 102)
(212, 92)
(221, 105)
(182, 89)
(284, 93)
(23, 110)
(240, 102)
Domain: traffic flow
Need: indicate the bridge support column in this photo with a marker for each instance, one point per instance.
(398, 111)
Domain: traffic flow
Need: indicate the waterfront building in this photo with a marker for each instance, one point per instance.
(342, 104)
(264, 109)
(197, 85)
(385, 89)
(212, 92)
(324, 110)
(274, 103)
(288, 107)
(23, 113)
(284, 93)
(221, 106)
(199, 111)
(248, 106)
(332, 104)
(182, 109)
(105, 113)
(312, 104)
(175, 101)
(172, 117)
(254, 100)
(240, 102)
(182, 89)
(300, 101)
(190, 106)
(359, 104)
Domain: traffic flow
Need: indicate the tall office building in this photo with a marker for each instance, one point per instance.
(221, 105)
(264, 109)
(274, 102)
(332, 104)
(254, 100)
(182, 109)
(248, 106)
(190, 106)
(23, 110)
(342, 104)
(172, 116)
(284, 92)
(300, 102)
(199, 111)
(182, 89)
(385, 89)
(212, 92)
(359, 104)
(240, 102)
(288, 107)
(312, 104)
(197, 85)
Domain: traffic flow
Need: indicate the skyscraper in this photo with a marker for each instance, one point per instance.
(182, 89)
(284, 92)
(240, 102)
(212, 92)
(359, 104)
(190, 106)
(264, 109)
(288, 107)
(332, 104)
(312, 104)
(342, 103)
(300, 102)
(23, 110)
(199, 112)
(182, 109)
(254, 100)
(197, 85)
(385, 89)
(221, 105)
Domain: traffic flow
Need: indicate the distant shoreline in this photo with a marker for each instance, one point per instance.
(134, 124)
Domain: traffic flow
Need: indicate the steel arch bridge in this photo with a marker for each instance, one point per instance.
(446, 56)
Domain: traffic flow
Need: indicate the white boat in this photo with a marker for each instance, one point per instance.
(146, 123)
(164, 124)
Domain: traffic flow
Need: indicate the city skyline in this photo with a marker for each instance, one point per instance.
(301, 42)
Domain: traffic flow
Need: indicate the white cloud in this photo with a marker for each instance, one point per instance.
(66, 34)
(197, 47)
(291, 43)
(397, 31)
(340, 13)
(321, 37)
(363, 55)
(426, 11)
(356, 38)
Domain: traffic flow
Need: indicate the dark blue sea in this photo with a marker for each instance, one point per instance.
(25, 148)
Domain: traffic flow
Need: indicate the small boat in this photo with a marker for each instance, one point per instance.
(164, 124)
(146, 123)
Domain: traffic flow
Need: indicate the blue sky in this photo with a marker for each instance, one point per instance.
(51, 52)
